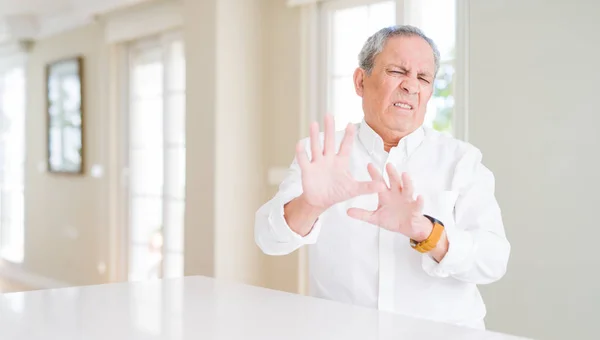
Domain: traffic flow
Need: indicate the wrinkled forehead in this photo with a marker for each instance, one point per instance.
(411, 52)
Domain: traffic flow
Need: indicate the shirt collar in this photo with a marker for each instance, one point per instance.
(373, 142)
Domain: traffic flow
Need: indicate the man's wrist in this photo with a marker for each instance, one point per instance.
(308, 208)
(423, 228)
(301, 216)
(441, 248)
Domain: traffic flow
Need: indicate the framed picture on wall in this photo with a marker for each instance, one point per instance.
(64, 97)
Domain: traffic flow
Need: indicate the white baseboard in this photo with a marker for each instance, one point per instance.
(16, 273)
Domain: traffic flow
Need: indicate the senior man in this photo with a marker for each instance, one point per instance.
(397, 216)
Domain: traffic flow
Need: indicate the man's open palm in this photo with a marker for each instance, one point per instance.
(326, 179)
(397, 210)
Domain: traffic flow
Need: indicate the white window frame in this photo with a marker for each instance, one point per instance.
(161, 40)
(121, 27)
(13, 56)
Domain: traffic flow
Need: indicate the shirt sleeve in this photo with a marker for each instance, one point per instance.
(478, 248)
(272, 234)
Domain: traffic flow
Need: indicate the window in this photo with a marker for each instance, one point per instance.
(437, 19)
(348, 23)
(349, 26)
(12, 163)
(156, 158)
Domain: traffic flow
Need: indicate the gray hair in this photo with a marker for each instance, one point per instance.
(374, 45)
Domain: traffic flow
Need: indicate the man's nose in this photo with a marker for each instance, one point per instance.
(411, 86)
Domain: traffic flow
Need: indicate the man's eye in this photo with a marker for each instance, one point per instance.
(397, 72)
(425, 80)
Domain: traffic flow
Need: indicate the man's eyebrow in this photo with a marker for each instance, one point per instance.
(426, 74)
(403, 68)
(398, 66)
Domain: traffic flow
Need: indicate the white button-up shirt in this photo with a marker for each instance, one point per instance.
(355, 262)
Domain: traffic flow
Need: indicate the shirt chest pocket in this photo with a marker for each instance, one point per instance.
(440, 204)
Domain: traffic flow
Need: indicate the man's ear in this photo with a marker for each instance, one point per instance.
(359, 77)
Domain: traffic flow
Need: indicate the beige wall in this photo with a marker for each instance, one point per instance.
(239, 150)
(282, 116)
(243, 100)
(201, 105)
(252, 114)
(534, 113)
(248, 57)
(225, 158)
(66, 216)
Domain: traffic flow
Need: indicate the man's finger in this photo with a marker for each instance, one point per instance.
(315, 143)
(374, 173)
(407, 185)
(346, 145)
(361, 214)
(419, 203)
(329, 136)
(395, 180)
(301, 155)
(370, 187)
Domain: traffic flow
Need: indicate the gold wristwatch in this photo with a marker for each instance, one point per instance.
(432, 240)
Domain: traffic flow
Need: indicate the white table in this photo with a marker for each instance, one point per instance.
(203, 308)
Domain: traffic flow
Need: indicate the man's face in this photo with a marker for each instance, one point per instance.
(396, 93)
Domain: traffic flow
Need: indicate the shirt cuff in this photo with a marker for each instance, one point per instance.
(459, 257)
(283, 232)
